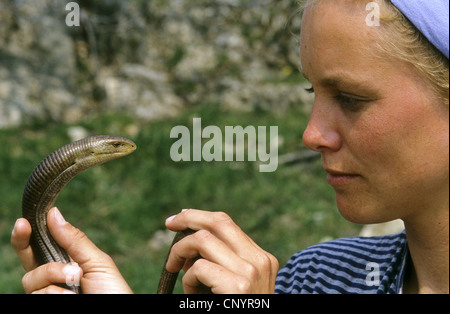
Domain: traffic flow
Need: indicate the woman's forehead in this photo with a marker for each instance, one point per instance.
(339, 17)
(337, 37)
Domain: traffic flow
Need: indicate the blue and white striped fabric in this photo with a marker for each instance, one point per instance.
(352, 265)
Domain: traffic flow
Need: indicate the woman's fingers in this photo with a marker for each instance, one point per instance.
(225, 250)
(20, 241)
(218, 278)
(52, 289)
(72, 239)
(100, 272)
(96, 272)
(43, 278)
(218, 223)
(204, 244)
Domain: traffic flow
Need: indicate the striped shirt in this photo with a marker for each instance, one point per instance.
(373, 265)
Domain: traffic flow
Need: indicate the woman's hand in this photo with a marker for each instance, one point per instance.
(96, 269)
(230, 262)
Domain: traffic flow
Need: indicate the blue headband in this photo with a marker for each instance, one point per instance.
(431, 17)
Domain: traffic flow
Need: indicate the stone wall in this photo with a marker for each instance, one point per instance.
(151, 58)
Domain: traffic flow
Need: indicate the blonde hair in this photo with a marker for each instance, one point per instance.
(402, 40)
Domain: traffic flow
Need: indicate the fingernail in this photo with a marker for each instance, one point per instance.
(184, 210)
(73, 274)
(59, 218)
(170, 218)
(71, 270)
(14, 229)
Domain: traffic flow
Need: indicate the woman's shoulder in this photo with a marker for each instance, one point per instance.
(357, 246)
(344, 265)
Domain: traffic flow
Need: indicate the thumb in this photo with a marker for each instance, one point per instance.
(73, 240)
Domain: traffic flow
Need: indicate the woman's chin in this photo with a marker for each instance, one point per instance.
(361, 212)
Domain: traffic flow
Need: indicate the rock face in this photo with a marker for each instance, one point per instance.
(151, 58)
(36, 63)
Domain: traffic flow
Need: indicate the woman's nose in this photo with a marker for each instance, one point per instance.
(322, 134)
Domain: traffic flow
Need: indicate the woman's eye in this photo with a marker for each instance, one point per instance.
(346, 101)
(350, 102)
(310, 90)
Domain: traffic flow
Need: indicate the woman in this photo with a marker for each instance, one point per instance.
(380, 121)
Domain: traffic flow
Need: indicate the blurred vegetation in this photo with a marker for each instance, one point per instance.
(122, 205)
(152, 58)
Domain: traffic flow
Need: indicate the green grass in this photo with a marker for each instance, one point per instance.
(122, 204)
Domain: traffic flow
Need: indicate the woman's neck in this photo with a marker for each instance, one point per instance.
(428, 241)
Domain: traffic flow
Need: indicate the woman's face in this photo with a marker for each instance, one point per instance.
(384, 138)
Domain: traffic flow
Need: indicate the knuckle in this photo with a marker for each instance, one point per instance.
(50, 269)
(222, 217)
(197, 267)
(185, 279)
(243, 285)
(185, 213)
(26, 282)
(265, 262)
(200, 264)
(251, 271)
(274, 262)
(105, 258)
(78, 235)
(45, 274)
(202, 236)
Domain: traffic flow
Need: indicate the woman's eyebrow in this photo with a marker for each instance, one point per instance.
(342, 81)
(346, 81)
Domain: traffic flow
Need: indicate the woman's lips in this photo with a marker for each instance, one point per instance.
(339, 179)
